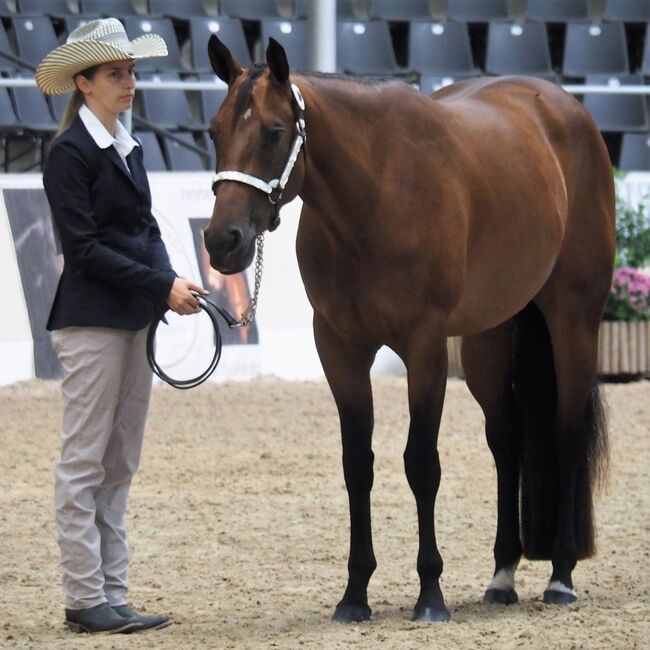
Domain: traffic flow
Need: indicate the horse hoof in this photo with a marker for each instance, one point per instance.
(431, 614)
(553, 597)
(351, 613)
(501, 597)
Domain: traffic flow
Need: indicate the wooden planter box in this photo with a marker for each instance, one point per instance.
(624, 348)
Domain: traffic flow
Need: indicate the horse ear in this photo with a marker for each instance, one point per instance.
(223, 63)
(276, 57)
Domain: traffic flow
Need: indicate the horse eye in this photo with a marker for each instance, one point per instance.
(276, 135)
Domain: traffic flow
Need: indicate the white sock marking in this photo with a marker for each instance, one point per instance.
(504, 578)
(556, 585)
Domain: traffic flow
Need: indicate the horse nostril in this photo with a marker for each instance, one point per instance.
(233, 239)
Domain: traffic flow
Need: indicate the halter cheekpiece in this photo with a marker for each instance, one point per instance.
(274, 188)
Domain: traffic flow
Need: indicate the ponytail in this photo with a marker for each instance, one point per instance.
(72, 108)
(75, 102)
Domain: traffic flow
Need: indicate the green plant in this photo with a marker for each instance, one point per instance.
(632, 233)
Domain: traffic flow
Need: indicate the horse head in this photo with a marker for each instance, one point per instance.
(257, 132)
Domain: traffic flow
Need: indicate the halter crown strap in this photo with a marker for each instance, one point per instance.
(274, 187)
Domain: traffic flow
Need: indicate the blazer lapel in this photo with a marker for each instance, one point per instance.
(138, 173)
(114, 157)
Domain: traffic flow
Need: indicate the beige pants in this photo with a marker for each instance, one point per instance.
(106, 390)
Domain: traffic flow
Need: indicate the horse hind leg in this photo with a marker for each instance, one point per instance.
(488, 373)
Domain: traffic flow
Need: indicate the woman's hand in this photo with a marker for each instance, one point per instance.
(182, 298)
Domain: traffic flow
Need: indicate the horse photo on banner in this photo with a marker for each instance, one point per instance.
(40, 264)
(229, 291)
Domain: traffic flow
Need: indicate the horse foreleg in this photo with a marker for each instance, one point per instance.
(347, 369)
(426, 363)
(488, 371)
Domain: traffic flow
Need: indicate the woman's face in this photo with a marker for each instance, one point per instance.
(112, 87)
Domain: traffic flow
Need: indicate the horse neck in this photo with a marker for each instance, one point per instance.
(344, 122)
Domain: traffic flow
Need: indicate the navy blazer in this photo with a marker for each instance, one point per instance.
(116, 268)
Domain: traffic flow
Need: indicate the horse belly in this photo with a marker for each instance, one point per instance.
(506, 267)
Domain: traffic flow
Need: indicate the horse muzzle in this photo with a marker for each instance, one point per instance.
(231, 250)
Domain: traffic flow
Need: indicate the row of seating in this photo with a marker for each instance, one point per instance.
(393, 10)
(434, 48)
(163, 154)
(26, 110)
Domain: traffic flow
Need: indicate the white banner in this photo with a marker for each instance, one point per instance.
(279, 343)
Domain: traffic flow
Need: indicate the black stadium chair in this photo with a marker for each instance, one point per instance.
(139, 26)
(404, 10)
(478, 11)
(154, 161)
(594, 49)
(6, 65)
(6, 9)
(558, 11)
(635, 152)
(645, 64)
(184, 159)
(616, 112)
(33, 111)
(365, 47)
(250, 9)
(211, 100)
(58, 104)
(44, 7)
(166, 109)
(178, 9)
(34, 36)
(294, 37)
(116, 8)
(628, 11)
(70, 23)
(9, 125)
(440, 49)
(519, 48)
(229, 30)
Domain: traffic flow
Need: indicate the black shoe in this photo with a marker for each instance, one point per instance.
(146, 622)
(101, 618)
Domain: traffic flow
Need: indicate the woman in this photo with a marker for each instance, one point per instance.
(116, 278)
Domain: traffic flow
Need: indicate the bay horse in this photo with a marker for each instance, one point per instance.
(484, 211)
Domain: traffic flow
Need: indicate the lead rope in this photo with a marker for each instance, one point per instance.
(211, 310)
(249, 314)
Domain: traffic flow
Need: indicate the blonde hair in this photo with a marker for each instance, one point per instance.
(75, 102)
(72, 108)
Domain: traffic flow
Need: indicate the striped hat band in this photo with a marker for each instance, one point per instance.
(96, 42)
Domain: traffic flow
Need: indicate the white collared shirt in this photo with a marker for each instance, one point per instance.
(123, 142)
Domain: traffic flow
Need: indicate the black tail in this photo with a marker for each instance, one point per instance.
(536, 392)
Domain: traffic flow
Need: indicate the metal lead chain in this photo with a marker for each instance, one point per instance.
(249, 314)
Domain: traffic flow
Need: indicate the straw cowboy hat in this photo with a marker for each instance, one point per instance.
(96, 42)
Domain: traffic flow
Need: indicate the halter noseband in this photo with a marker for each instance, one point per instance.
(274, 188)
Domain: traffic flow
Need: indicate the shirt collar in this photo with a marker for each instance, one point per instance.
(122, 141)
